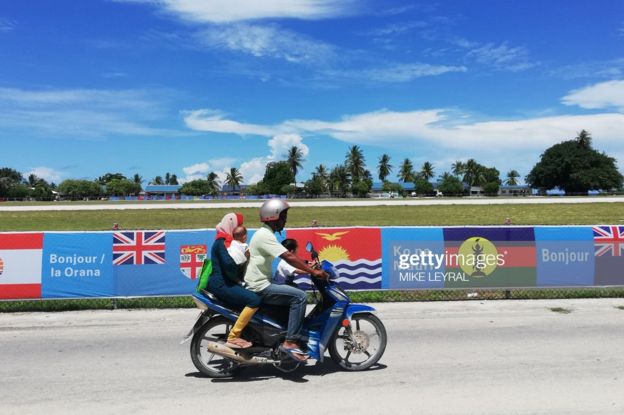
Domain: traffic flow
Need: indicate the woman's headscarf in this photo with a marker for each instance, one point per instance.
(225, 228)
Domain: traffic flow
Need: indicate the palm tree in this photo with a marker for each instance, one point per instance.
(213, 183)
(173, 179)
(512, 177)
(295, 157)
(584, 139)
(355, 163)
(459, 168)
(167, 178)
(321, 173)
(340, 179)
(233, 178)
(137, 179)
(384, 167)
(406, 173)
(426, 171)
(157, 180)
(473, 173)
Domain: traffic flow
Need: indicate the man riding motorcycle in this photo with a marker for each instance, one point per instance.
(264, 248)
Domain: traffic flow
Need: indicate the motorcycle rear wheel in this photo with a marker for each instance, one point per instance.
(210, 364)
(369, 345)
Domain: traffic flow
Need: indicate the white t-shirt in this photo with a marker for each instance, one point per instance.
(237, 251)
(263, 248)
(284, 274)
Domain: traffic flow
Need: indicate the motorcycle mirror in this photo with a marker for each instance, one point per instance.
(310, 249)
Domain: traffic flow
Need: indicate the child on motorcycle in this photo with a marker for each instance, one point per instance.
(285, 273)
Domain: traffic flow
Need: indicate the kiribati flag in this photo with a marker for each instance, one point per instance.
(20, 265)
(490, 257)
(355, 252)
(609, 255)
(138, 248)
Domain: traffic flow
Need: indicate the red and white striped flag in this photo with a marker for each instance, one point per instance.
(20, 265)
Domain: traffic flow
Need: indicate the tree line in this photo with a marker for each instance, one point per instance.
(573, 166)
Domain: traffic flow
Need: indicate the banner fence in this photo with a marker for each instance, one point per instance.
(146, 263)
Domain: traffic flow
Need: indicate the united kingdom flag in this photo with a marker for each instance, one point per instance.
(608, 240)
(138, 248)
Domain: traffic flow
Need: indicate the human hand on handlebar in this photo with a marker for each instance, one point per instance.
(320, 274)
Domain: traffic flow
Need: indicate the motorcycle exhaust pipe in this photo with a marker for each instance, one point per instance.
(224, 351)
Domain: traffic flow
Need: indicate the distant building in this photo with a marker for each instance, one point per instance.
(517, 190)
(162, 191)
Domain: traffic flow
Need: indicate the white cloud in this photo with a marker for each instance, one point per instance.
(443, 128)
(500, 57)
(280, 144)
(396, 72)
(47, 173)
(608, 94)
(6, 25)
(82, 113)
(214, 121)
(224, 11)
(267, 41)
(200, 170)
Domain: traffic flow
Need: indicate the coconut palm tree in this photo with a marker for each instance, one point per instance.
(295, 157)
(213, 183)
(355, 163)
(323, 175)
(473, 173)
(512, 178)
(233, 178)
(157, 180)
(584, 139)
(137, 179)
(406, 172)
(340, 179)
(426, 171)
(459, 168)
(384, 167)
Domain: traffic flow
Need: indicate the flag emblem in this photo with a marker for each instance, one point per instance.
(138, 248)
(1, 266)
(191, 260)
(608, 240)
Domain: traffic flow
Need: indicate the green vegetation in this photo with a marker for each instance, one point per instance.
(575, 167)
(548, 214)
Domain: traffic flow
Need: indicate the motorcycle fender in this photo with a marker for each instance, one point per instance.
(202, 318)
(358, 309)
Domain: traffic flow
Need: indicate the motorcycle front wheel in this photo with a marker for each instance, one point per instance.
(210, 364)
(361, 348)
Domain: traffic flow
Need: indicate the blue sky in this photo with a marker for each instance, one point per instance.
(193, 86)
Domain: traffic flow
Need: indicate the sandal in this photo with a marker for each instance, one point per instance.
(238, 343)
(294, 353)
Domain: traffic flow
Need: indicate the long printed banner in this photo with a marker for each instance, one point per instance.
(157, 263)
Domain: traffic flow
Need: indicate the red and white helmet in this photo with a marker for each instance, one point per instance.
(271, 209)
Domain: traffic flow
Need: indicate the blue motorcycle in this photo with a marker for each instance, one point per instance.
(353, 335)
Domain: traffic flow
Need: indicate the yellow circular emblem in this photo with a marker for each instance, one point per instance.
(477, 257)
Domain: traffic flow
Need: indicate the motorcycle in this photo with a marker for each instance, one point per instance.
(354, 337)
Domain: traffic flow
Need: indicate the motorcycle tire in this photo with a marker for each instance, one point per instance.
(367, 329)
(211, 365)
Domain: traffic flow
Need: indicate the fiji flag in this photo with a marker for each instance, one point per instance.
(609, 255)
(355, 252)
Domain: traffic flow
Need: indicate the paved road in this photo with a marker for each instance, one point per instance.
(313, 203)
(496, 357)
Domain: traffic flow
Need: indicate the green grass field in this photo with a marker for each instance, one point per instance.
(547, 214)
